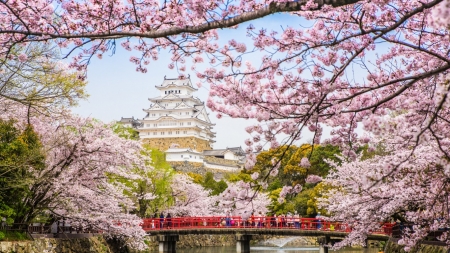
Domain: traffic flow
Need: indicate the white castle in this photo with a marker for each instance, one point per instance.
(177, 122)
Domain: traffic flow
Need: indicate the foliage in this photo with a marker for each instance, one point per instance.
(318, 192)
(34, 76)
(209, 183)
(20, 154)
(151, 192)
(196, 178)
(288, 159)
(243, 175)
(13, 236)
(125, 132)
(291, 173)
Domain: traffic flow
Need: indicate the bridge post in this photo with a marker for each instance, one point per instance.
(167, 243)
(243, 243)
(323, 242)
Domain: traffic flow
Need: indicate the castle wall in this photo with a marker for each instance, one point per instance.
(193, 143)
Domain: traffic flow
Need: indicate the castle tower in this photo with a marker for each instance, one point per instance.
(177, 117)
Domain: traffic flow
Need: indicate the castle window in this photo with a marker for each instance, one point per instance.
(187, 113)
(185, 132)
(162, 133)
(165, 92)
(155, 125)
(155, 133)
(177, 132)
(170, 133)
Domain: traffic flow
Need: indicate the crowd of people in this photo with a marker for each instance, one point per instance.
(257, 220)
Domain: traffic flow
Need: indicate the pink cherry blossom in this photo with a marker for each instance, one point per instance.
(313, 179)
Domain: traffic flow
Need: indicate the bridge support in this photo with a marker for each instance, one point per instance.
(243, 243)
(167, 243)
(323, 242)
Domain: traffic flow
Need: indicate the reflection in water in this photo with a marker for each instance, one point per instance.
(306, 249)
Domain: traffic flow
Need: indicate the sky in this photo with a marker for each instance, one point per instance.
(117, 90)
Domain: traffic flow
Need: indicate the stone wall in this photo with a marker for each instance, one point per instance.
(198, 168)
(192, 241)
(96, 244)
(221, 161)
(193, 143)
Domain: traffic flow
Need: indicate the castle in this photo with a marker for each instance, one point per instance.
(177, 122)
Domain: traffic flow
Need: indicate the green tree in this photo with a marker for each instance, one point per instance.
(209, 183)
(291, 173)
(216, 187)
(152, 193)
(21, 154)
(39, 80)
(125, 132)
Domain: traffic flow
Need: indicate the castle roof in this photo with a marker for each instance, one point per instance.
(176, 82)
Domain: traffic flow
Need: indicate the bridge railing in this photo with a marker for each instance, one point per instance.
(257, 222)
(220, 222)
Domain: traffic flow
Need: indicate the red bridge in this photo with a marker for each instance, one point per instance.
(168, 230)
(257, 223)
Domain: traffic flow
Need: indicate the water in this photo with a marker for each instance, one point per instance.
(263, 249)
(279, 242)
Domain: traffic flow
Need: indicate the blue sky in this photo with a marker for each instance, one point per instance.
(117, 90)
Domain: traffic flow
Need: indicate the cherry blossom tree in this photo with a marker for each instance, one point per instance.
(241, 199)
(81, 156)
(404, 184)
(190, 199)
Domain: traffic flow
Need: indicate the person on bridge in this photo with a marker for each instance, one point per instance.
(296, 220)
(252, 218)
(169, 220)
(319, 225)
(260, 220)
(161, 220)
(228, 219)
(273, 220)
